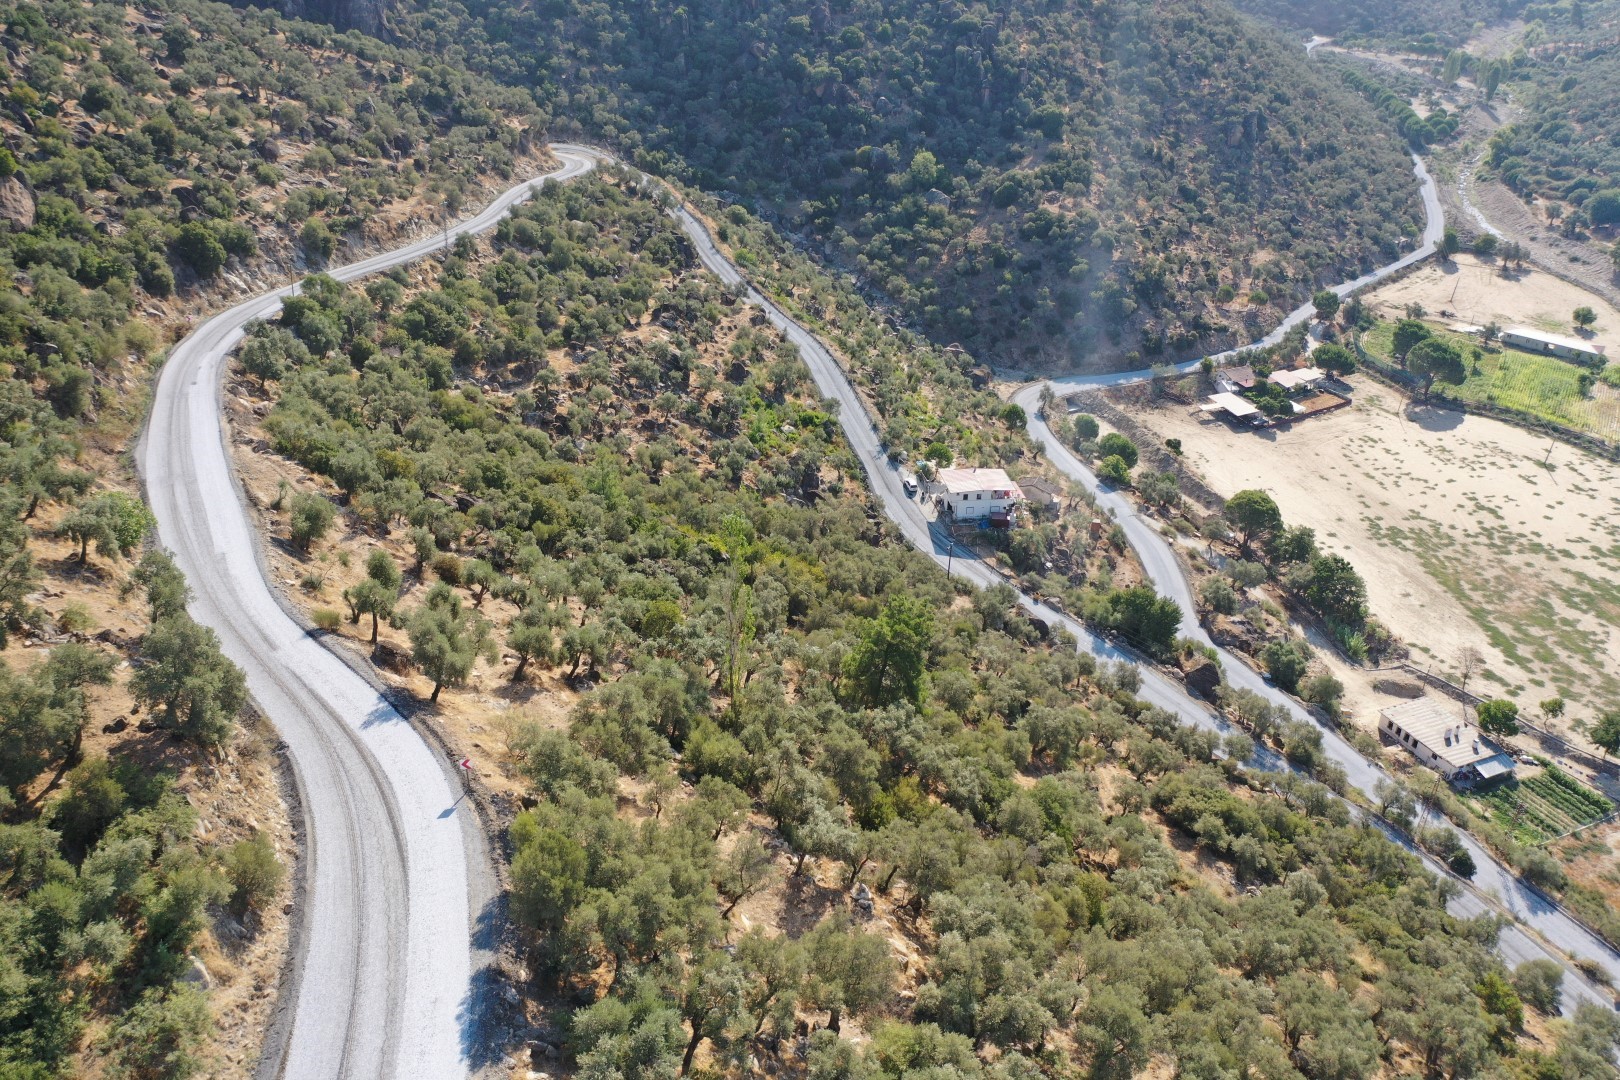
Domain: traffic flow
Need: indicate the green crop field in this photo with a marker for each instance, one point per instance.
(1540, 386)
(1543, 806)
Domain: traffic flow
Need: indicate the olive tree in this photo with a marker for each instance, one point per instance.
(447, 639)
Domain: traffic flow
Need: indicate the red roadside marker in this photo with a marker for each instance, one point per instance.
(465, 763)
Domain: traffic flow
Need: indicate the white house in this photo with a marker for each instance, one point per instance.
(971, 494)
(1438, 733)
(1539, 341)
(1298, 378)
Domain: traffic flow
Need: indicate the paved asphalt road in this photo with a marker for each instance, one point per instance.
(1505, 892)
(391, 934)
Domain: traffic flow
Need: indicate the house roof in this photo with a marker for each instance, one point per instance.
(1240, 375)
(1531, 334)
(1035, 487)
(1230, 403)
(958, 481)
(1443, 727)
(1298, 377)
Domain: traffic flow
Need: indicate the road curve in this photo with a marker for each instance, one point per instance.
(392, 930)
(1494, 889)
(1506, 892)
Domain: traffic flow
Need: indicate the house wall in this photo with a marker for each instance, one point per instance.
(1417, 749)
(1547, 348)
(972, 505)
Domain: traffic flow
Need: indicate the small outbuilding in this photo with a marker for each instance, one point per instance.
(1440, 735)
(1235, 407)
(1236, 377)
(1042, 495)
(1532, 340)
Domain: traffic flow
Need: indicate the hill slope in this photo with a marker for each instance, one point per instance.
(156, 160)
(1047, 184)
(782, 776)
(1441, 23)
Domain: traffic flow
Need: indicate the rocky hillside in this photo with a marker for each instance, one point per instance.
(1050, 185)
(157, 161)
(1427, 25)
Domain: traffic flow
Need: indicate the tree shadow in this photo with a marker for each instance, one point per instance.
(381, 713)
(1434, 417)
(805, 902)
(490, 1007)
(70, 568)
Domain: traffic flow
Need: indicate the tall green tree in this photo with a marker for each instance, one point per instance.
(1335, 590)
(19, 577)
(447, 638)
(532, 635)
(1326, 302)
(1254, 514)
(1408, 332)
(1605, 731)
(886, 665)
(192, 688)
(116, 523)
(167, 593)
(1436, 360)
(309, 519)
(1498, 717)
(377, 593)
(43, 711)
(848, 971)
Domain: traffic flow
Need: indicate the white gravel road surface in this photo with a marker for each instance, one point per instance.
(396, 914)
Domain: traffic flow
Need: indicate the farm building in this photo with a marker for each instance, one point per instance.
(1298, 378)
(1235, 407)
(1565, 348)
(972, 494)
(1439, 735)
(1043, 495)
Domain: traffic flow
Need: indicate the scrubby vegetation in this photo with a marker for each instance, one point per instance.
(153, 161)
(944, 832)
(1420, 26)
(1049, 184)
(148, 152)
(1562, 147)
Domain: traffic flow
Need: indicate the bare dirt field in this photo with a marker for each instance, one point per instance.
(1464, 537)
(1478, 294)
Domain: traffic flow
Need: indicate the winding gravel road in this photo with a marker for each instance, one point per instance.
(396, 919)
(398, 913)
(1494, 889)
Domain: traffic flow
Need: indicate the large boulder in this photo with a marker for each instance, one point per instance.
(16, 204)
(1203, 679)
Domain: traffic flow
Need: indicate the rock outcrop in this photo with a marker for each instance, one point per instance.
(16, 204)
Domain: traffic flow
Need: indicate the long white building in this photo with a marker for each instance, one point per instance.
(1438, 733)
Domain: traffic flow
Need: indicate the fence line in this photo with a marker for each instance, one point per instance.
(1405, 381)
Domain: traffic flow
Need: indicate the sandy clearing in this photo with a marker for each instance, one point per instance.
(1478, 294)
(1464, 539)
